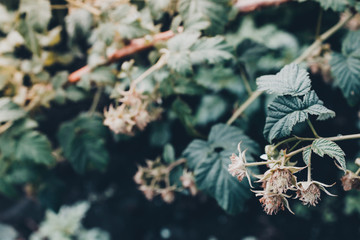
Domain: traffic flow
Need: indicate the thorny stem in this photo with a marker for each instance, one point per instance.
(312, 128)
(298, 60)
(95, 101)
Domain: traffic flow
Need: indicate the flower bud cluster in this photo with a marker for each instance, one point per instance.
(135, 112)
(154, 180)
(278, 180)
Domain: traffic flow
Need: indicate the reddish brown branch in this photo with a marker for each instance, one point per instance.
(246, 6)
(135, 45)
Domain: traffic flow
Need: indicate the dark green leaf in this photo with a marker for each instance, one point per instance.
(83, 143)
(34, 147)
(286, 111)
(9, 111)
(324, 146)
(209, 161)
(346, 68)
(291, 80)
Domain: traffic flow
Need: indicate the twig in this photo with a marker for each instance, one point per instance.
(96, 100)
(322, 38)
(312, 128)
(135, 45)
(246, 6)
(244, 106)
(85, 6)
(176, 163)
(159, 64)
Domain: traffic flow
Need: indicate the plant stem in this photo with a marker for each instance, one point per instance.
(293, 147)
(285, 141)
(345, 137)
(357, 172)
(95, 101)
(259, 163)
(159, 64)
(309, 169)
(174, 164)
(245, 79)
(297, 151)
(298, 60)
(85, 6)
(312, 128)
(318, 25)
(244, 106)
(322, 38)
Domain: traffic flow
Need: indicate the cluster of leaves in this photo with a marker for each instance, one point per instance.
(211, 62)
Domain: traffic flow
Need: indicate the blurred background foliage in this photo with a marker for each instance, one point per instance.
(54, 152)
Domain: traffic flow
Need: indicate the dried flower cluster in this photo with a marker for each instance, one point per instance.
(154, 179)
(136, 111)
(277, 180)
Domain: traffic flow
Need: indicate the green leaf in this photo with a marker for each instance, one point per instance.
(291, 80)
(31, 41)
(211, 50)
(38, 13)
(286, 111)
(9, 111)
(78, 24)
(184, 113)
(211, 108)
(129, 22)
(209, 161)
(324, 146)
(34, 147)
(83, 143)
(187, 49)
(345, 68)
(307, 155)
(169, 153)
(213, 10)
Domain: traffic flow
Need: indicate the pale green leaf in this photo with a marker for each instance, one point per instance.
(209, 160)
(336, 5)
(38, 13)
(306, 155)
(286, 111)
(324, 146)
(34, 147)
(211, 50)
(214, 10)
(291, 80)
(187, 49)
(9, 111)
